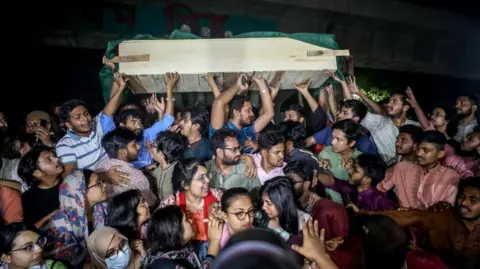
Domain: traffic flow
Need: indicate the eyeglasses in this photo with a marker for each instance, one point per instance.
(113, 253)
(236, 149)
(30, 247)
(99, 184)
(203, 178)
(243, 214)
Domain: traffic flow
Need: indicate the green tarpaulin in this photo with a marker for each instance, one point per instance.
(322, 40)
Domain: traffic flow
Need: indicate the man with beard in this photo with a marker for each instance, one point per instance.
(227, 170)
(361, 188)
(408, 139)
(470, 151)
(81, 147)
(383, 124)
(193, 126)
(454, 233)
(269, 161)
(133, 119)
(240, 114)
(466, 106)
(424, 183)
(122, 149)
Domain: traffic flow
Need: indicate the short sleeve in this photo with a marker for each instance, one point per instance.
(66, 153)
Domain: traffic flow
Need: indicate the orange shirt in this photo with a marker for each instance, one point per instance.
(11, 205)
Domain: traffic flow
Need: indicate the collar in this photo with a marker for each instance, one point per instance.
(77, 137)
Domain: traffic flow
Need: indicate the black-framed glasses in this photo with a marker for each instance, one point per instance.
(235, 149)
(30, 247)
(113, 253)
(243, 214)
(99, 184)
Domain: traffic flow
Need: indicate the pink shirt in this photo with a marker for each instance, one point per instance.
(417, 189)
(261, 174)
(137, 180)
(225, 236)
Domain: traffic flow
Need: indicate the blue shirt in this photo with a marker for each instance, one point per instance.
(150, 134)
(242, 134)
(364, 144)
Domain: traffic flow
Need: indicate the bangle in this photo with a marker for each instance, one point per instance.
(170, 99)
(263, 91)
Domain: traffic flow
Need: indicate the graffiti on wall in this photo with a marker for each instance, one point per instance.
(121, 18)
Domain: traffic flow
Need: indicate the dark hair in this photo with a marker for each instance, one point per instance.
(68, 107)
(436, 138)
(236, 104)
(359, 109)
(87, 174)
(300, 169)
(472, 98)
(230, 195)
(122, 213)
(123, 115)
(268, 140)
(172, 145)
(165, 229)
(218, 139)
(415, 132)
(373, 167)
(297, 108)
(473, 182)
(384, 241)
(201, 116)
(403, 96)
(116, 140)
(9, 232)
(183, 173)
(280, 191)
(452, 118)
(295, 132)
(27, 166)
(349, 127)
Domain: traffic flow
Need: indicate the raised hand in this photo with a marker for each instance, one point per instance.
(303, 87)
(352, 85)
(313, 242)
(411, 98)
(242, 83)
(172, 80)
(333, 75)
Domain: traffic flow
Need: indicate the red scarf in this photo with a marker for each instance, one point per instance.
(200, 227)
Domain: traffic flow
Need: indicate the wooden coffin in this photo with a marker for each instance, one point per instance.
(276, 59)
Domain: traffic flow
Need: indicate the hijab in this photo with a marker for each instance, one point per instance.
(98, 243)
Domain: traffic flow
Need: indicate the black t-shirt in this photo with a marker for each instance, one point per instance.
(37, 203)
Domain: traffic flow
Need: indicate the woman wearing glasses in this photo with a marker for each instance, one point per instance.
(22, 247)
(193, 194)
(82, 205)
(109, 249)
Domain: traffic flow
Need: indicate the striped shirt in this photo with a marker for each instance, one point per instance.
(384, 133)
(86, 152)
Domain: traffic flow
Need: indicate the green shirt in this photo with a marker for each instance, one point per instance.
(235, 179)
(336, 162)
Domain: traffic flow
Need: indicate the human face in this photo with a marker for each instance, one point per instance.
(187, 128)
(269, 207)
(339, 142)
(428, 154)
(404, 144)
(291, 115)
(437, 117)
(300, 186)
(27, 250)
(246, 114)
(274, 155)
(230, 153)
(49, 164)
(357, 174)
(464, 107)
(33, 123)
(468, 203)
(188, 233)
(199, 186)
(143, 212)
(471, 142)
(130, 153)
(3, 121)
(346, 113)
(240, 214)
(96, 191)
(135, 125)
(116, 245)
(395, 106)
(80, 121)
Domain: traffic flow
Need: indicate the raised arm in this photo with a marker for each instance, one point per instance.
(352, 85)
(211, 83)
(332, 103)
(218, 116)
(322, 99)
(114, 101)
(263, 120)
(345, 90)
(418, 110)
(172, 79)
(303, 89)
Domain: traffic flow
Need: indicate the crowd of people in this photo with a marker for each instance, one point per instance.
(343, 183)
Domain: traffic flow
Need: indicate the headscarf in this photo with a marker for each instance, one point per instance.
(332, 217)
(98, 242)
(38, 114)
